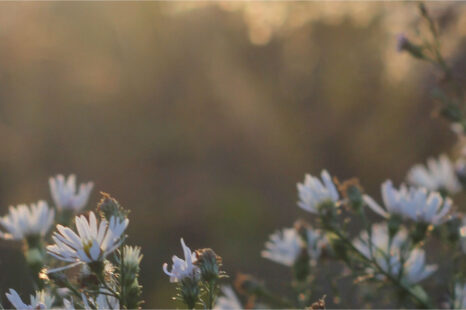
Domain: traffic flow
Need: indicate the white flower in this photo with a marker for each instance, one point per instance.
(228, 301)
(183, 268)
(64, 192)
(390, 257)
(41, 300)
(413, 203)
(460, 296)
(438, 175)
(92, 243)
(24, 221)
(286, 245)
(313, 192)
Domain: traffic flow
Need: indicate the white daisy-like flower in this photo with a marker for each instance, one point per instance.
(439, 174)
(41, 300)
(183, 268)
(313, 192)
(416, 204)
(390, 257)
(23, 221)
(286, 245)
(459, 301)
(92, 243)
(65, 194)
(228, 300)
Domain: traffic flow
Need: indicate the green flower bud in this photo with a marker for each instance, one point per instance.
(109, 206)
(209, 263)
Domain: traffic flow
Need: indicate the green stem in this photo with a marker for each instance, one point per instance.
(211, 294)
(399, 284)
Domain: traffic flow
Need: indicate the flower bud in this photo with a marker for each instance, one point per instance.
(35, 258)
(209, 263)
(131, 292)
(109, 206)
(352, 191)
(403, 44)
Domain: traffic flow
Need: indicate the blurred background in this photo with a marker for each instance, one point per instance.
(202, 117)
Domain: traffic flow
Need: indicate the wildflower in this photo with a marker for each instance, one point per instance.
(64, 192)
(187, 274)
(391, 256)
(183, 268)
(459, 301)
(284, 247)
(92, 243)
(438, 175)
(23, 221)
(416, 204)
(229, 300)
(41, 300)
(313, 193)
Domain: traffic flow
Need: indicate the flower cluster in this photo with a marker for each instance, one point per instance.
(85, 262)
(108, 276)
(197, 276)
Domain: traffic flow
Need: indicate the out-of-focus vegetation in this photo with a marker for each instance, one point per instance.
(201, 117)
